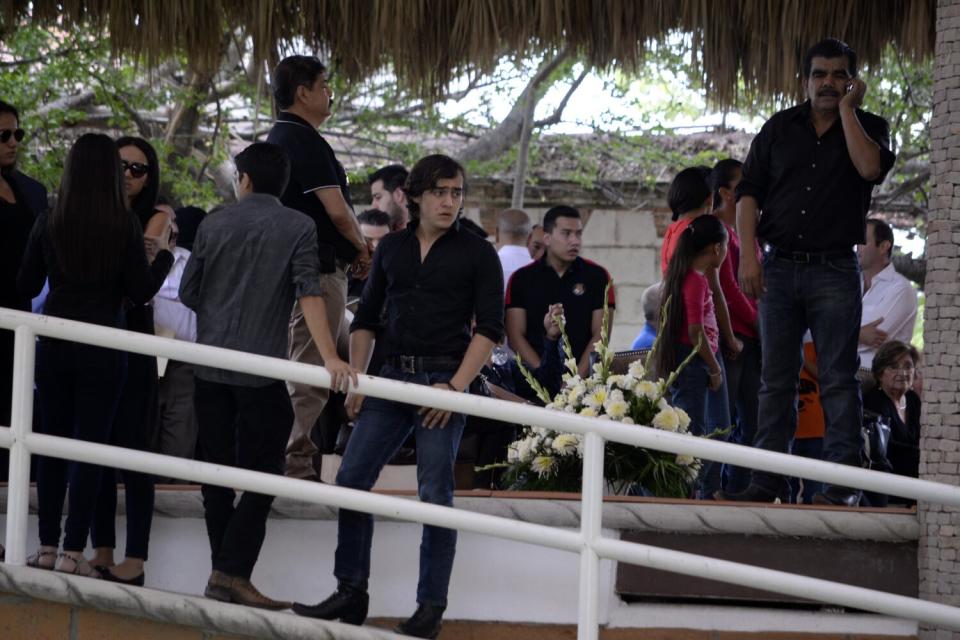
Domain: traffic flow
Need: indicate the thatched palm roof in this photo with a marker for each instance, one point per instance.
(428, 42)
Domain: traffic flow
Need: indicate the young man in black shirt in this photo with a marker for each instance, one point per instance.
(318, 187)
(811, 171)
(560, 277)
(435, 279)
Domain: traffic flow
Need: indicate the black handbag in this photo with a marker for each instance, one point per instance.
(876, 438)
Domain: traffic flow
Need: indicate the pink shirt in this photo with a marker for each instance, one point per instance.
(698, 309)
(743, 310)
(670, 239)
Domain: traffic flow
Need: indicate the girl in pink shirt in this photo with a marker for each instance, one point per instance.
(692, 326)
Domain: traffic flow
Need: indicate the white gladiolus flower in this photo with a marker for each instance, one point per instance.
(571, 365)
(566, 444)
(513, 456)
(636, 369)
(614, 381)
(663, 404)
(667, 420)
(588, 412)
(684, 418)
(543, 465)
(647, 389)
(597, 368)
(524, 450)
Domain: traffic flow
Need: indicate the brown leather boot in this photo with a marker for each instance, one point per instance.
(240, 591)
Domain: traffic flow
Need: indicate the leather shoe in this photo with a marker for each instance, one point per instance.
(347, 604)
(837, 496)
(753, 493)
(226, 588)
(425, 622)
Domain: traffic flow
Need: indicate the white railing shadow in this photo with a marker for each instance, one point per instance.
(588, 542)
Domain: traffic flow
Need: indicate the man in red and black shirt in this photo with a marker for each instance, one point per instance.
(560, 277)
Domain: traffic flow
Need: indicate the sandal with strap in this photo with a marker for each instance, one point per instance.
(37, 560)
(80, 566)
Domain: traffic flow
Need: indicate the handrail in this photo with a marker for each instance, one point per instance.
(588, 542)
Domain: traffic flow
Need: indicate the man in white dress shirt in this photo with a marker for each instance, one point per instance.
(889, 300)
(513, 230)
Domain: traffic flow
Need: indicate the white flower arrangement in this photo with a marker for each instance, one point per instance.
(542, 459)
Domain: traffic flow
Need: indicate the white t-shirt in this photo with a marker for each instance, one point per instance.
(893, 298)
(512, 257)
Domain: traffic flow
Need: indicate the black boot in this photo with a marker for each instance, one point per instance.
(838, 496)
(425, 622)
(753, 493)
(347, 604)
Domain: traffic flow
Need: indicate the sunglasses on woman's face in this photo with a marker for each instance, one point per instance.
(136, 169)
(16, 134)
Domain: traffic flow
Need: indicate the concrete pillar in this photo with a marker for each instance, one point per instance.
(940, 432)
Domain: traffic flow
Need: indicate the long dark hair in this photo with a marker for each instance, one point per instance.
(90, 220)
(701, 233)
(688, 191)
(145, 203)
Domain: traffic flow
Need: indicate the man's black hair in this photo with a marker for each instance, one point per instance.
(374, 218)
(722, 176)
(425, 175)
(293, 72)
(267, 165)
(688, 191)
(830, 48)
(559, 211)
(882, 231)
(393, 176)
(6, 107)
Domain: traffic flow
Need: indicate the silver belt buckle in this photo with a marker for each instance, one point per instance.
(408, 364)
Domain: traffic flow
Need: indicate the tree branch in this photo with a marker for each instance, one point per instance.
(558, 112)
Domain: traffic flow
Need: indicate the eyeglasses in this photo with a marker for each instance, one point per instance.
(440, 192)
(16, 134)
(136, 169)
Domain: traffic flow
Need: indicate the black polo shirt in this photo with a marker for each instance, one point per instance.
(536, 286)
(313, 166)
(810, 195)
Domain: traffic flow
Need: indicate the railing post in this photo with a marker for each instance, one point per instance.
(591, 514)
(21, 424)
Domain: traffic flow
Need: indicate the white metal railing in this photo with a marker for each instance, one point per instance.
(588, 542)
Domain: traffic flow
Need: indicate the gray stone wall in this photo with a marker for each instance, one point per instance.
(940, 433)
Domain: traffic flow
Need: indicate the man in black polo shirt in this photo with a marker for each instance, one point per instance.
(318, 187)
(560, 277)
(811, 171)
(435, 278)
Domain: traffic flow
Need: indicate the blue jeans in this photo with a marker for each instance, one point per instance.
(708, 411)
(743, 389)
(381, 428)
(802, 489)
(826, 299)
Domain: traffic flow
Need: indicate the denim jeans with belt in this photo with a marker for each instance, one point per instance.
(824, 296)
(381, 429)
(709, 411)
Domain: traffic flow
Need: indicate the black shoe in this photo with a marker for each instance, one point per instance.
(837, 496)
(135, 581)
(753, 493)
(425, 622)
(347, 604)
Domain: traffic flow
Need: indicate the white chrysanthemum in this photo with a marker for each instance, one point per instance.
(627, 383)
(596, 397)
(524, 450)
(667, 420)
(614, 380)
(685, 460)
(569, 409)
(647, 389)
(575, 395)
(543, 465)
(566, 444)
(636, 369)
(615, 405)
(588, 412)
(684, 418)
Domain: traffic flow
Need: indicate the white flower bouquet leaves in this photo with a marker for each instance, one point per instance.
(546, 460)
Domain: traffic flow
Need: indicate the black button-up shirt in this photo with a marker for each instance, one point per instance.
(313, 166)
(809, 192)
(430, 305)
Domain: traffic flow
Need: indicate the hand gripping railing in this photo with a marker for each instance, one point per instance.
(588, 542)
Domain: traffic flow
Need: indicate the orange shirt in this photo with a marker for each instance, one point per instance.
(809, 411)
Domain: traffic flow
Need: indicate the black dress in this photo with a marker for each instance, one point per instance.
(903, 452)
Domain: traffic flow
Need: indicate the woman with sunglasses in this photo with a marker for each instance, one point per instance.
(21, 200)
(137, 412)
(91, 250)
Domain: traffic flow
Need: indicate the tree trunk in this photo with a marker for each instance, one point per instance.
(520, 175)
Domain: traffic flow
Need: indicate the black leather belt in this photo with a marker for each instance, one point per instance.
(420, 364)
(812, 257)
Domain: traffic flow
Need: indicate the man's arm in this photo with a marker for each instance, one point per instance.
(344, 220)
(361, 348)
(750, 274)
(517, 336)
(478, 352)
(315, 313)
(864, 151)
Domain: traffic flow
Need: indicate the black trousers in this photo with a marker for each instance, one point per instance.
(246, 427)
